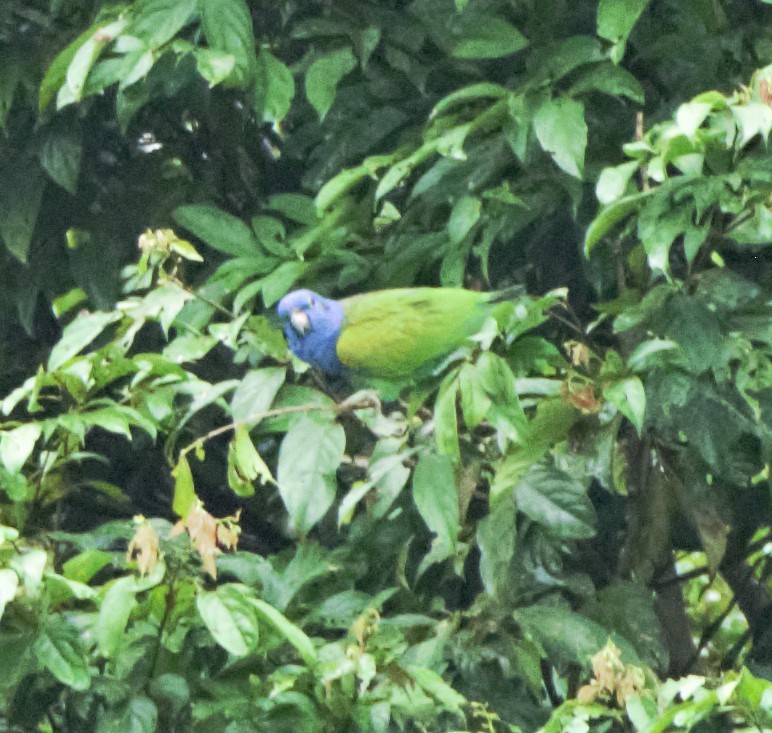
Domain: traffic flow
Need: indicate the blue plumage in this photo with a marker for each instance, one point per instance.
(312, 327)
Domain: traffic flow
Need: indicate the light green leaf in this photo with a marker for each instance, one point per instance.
(228, 27)
(324, 75)
(114, 612)
(229, 614)
(184, 492)
(79, 334)
(480, 36)
(157, 21)
(557, 501)
(16, 445)
(245, 464)
(616, 18)
(475, 403)
(293, 634)
(9, 583)
(274, 87)
(436, 497)
(214, 66)
(612, 182)
(608, 79)
(464, 215)
(562, 132)
(83, 60)
(629, 397)
(440, 690)
(445, 420)
(256, 393)
(58, 648)
(308, 461)
(496, 535)
(220, 230)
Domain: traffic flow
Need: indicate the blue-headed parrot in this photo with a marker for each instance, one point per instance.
(385, 334)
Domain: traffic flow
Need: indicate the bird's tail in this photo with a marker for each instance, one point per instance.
(513, 292)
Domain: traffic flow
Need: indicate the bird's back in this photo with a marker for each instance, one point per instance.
(392, 333)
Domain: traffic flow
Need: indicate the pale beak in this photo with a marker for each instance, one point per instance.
(300, 321)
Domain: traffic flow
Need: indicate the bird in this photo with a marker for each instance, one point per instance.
(384, 334)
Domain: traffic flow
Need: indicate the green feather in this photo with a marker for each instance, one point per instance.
(392, 333)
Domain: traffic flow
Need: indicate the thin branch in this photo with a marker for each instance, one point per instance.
(348, 405)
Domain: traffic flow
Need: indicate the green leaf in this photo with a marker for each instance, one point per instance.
(628, 609)
(475, 403)
(496, 535)
(9, 584)
(184, 492)
(230, 616)
(616, 18)
(79, 334)
(445, 421)
(557, 501)
(21, 193)
(256, 393)
(157, 21)
(274, 88)
(83, 60)
(562, 132)
(214, 66)
(324, 75)
(58, 648)
(139, 714)
(480, 36)
(464, 215)
(275, 285)
(440, 690)
(629, 397)
(245, 464)
(293, 634)
(436, 497)
(220, 230)
(114, 611)
(57, 71)
(16, 445)
(567, 637)
(60, 157)
(85, 565)
(612, 182)
(228, 27)
(608, 79)
(295, 206)
(482, 90)
(308, 460)
(611, 215)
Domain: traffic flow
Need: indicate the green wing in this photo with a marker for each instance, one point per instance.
(391, 333)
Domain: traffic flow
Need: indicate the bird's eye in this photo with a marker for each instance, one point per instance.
(311, 302)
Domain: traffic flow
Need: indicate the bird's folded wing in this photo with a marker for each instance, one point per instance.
(392, 333)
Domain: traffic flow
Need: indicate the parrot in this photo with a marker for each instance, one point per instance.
(385, 334)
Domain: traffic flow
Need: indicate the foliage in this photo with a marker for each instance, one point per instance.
(565, 528)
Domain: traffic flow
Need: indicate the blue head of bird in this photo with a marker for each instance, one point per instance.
(312, 326)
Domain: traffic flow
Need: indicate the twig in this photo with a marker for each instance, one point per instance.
(345, 406)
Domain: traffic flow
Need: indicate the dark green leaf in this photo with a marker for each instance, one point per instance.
(557, 501)
(220, 230)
